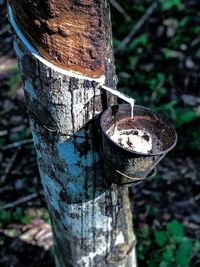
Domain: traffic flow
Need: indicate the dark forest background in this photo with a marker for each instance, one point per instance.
(157, 51)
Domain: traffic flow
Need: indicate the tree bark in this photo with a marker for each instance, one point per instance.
(91, 220)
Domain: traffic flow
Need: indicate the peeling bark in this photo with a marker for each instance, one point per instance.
(91, 220)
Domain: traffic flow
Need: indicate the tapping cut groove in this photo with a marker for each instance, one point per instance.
(68, 33)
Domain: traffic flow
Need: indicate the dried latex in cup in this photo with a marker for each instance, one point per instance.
(132, 139)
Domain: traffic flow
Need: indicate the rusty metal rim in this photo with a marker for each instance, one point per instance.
(138, 153)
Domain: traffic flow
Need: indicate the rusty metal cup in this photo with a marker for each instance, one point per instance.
(123, 166)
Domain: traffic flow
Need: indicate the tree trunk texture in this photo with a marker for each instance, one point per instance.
(91, 219)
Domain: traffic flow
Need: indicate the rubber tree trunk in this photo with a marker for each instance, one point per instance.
(64, 53)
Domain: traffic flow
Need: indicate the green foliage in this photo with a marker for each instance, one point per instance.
(170, 4)
(192, 138)
(16, 215)
(160, 238)
(21, 216)
(5, 216)
(45, 216)
(165, 264)
(171, 247)
(184, 116)
(196, 29)
(169, 53)
(175, 229)
(168, 254)
(184, 252)
(139, 41)
(179, 116)
(13, 81)
(151, 67)
(133, 60)
(184, 21)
